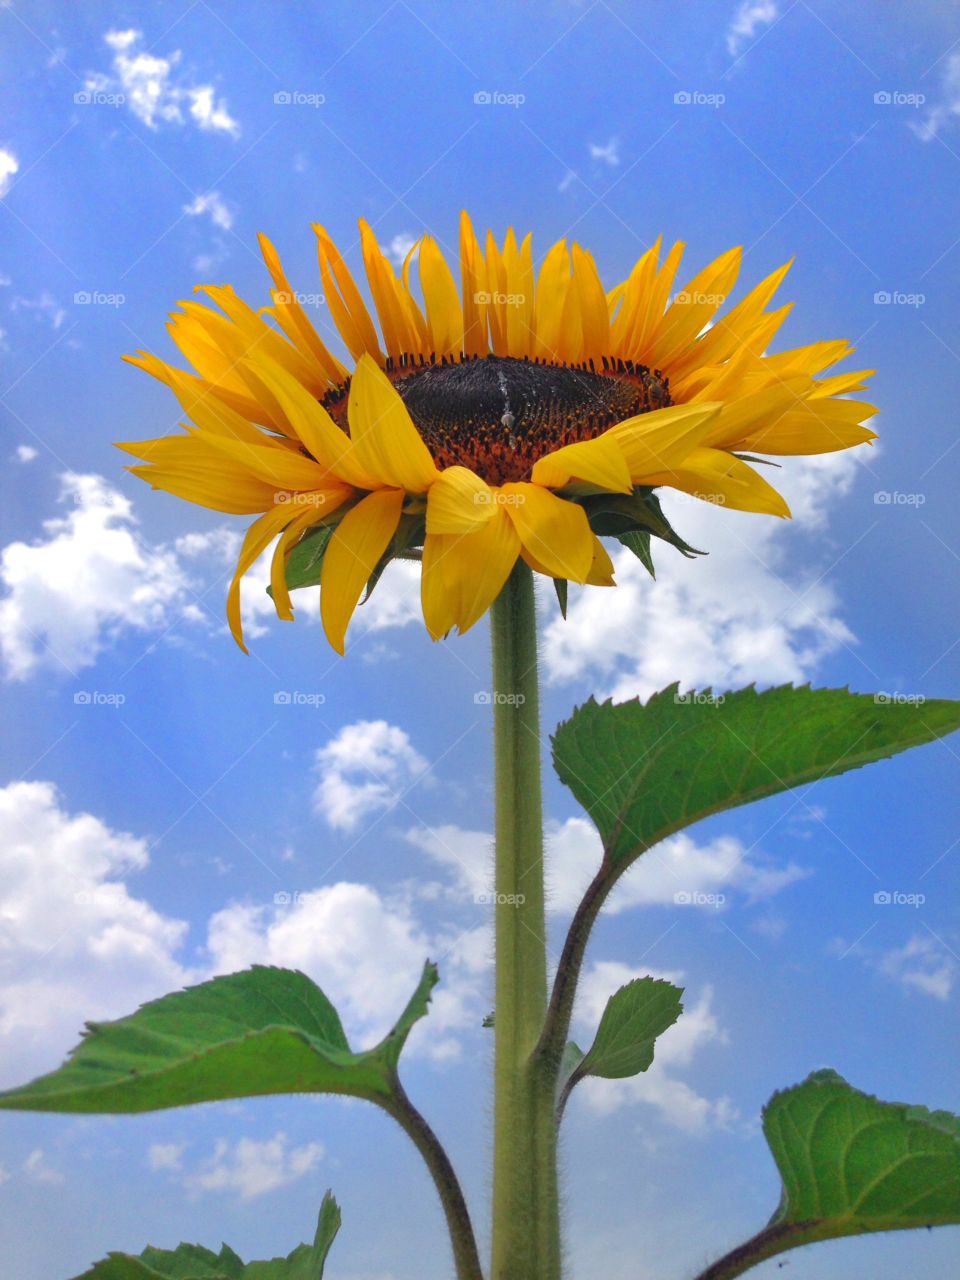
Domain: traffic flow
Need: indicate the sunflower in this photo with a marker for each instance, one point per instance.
(524, 414)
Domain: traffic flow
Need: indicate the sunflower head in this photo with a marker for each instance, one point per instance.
(519, 413)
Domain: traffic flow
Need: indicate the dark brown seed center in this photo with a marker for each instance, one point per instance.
(497, 415)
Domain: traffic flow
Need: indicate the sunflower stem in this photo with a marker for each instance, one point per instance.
(526, 1217)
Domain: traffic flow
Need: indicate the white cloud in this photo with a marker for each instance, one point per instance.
(9, 165)
(747, 21)
(88, 579)
(212, 205)
(608, 154)
(26, 453)
(166, 1156)
(156, 91)
(567, 181)
(659, 1086)
(364, 770)
(922, 964)
(722, 866)
(400, 246)
(75, 943)
(38, 1172)
(743, 613)
(366, 953)
(251, 1168)
(947, 107)
(44, 306)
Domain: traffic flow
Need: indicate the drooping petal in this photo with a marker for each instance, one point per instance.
(384, 439)
(464, 573)
(458, 502)
(663, 438)
(554, 530)
(600, 462)
(360, 539)
(258, 537)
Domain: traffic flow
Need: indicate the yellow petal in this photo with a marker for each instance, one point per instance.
(599, 462)
(694, 306)
(458, 502)
(386, 443)
(258, 537)
(278, 566)
(652, 441)
(442, 302)
(342, 296)
(473, 277)
(552, 285)
(464, 573)
(554, 530)
(719, 477)
(594, 315)
(360, 539)
(293, 319)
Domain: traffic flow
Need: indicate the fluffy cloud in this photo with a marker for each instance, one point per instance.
(659, 1086)
(676, 872)
(947, 106)
(747, 21)
(89, 578)
(250, 1168)
(155, 91)
(363, 771)
(365, 952)
(922, 964)
(9, 166)
(744, 613)
(608, 154)
(75, 943)
(212, 206)
(399, 246)
(26, 453)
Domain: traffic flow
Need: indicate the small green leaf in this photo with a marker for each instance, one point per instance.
(614, 514)
(561, 586)
(262, 1031)
(411, 532)
(638, 541)
(305, 561)
(643, 772)
(634, 1017)
(193, 1262)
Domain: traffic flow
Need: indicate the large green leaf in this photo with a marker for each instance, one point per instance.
(643, 772)
(851, 1165)
(261, 1031)
(193, 1262)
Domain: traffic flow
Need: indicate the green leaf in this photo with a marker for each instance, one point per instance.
(634, 1017)
(638, 541)
(852, 1164)
(411, 532)
(262, 1031)
(305, 561)
(614, 514)
(193, 1262)
(643, 772)
(561, 586)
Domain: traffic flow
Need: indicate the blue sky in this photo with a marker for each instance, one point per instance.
(159, 789)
